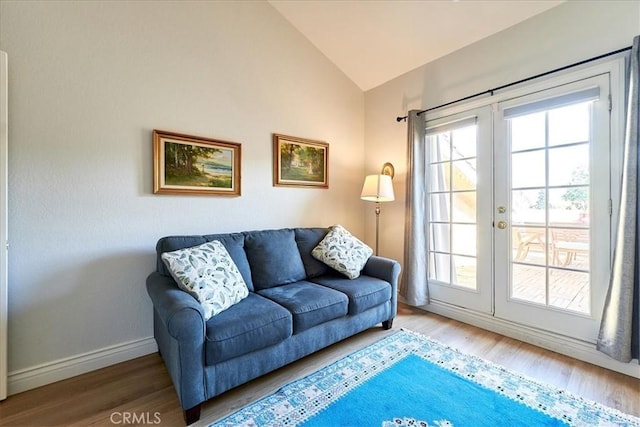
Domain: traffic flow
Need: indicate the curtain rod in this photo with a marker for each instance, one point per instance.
(490, 91)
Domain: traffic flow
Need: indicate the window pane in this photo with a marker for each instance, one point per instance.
(464, 174)
(464, 206)
(465, 271)
(528, 206)
(464, 239)
(528, 169)
(569, 165)
(569, 124)
(527, 132)
(464, 142)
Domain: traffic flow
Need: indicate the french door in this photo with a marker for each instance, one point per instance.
(459, 198)
(552, 197)
(519, 215)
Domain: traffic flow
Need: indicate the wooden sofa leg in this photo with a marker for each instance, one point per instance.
(192, 415)
(387, 324)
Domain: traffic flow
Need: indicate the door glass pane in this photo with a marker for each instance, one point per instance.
(570, 247)
(440, 237)
(440, 207)
(465, 271)
(569, 290)
(440, 147)
(528, 284)
(464, 142)
(527, 132)
(463, 239)
(569, 124)
(569, 206)
(529, 245)
(464, 175)
(439, 177)
(528, 206)
(465, 206)
(569, 165)
(441, 268)
(528, 169)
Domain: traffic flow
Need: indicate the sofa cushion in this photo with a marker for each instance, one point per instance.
(309, 303)
(209, 274)
(252, 324)
(274, 258)
(233, 242)
(364, 292)
(343, 252)
(307, 239)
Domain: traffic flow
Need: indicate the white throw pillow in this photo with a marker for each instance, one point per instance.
(343, 252)
(209, 274)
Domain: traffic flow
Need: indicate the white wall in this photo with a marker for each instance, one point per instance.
(89, 81)
(571, 32)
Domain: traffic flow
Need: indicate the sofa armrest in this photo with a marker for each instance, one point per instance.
(388, 270)
(179, 329)
(181, 314)
(383, 268)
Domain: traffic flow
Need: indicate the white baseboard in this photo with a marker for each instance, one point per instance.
(47, 373)
(571, 347)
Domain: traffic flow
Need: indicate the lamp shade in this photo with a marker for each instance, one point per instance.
(377, 188)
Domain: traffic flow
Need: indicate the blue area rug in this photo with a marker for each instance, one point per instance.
(407, 379)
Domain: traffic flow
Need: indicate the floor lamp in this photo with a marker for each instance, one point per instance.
(378, 189)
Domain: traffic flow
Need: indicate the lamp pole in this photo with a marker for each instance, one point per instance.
(377, 225)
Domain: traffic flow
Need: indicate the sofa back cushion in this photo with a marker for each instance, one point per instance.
(274, 258)
(233, 243)
(307, 239)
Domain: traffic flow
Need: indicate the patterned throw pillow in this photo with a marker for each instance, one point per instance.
(343, 252)
(209, 274)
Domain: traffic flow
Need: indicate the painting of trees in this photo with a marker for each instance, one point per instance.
(185, 164)
(300, 162)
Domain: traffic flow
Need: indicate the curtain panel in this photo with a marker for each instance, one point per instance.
(415, 269)
(619, 335)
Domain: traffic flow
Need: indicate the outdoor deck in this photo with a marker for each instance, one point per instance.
(568, 289)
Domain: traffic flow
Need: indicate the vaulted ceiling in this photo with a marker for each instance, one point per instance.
(374, 41)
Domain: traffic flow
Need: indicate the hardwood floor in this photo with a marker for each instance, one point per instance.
(139, 392)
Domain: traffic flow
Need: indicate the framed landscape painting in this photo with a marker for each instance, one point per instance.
(300, 162)
(184, 164)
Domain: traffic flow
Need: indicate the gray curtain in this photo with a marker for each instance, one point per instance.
(415, 269)
(619, 333)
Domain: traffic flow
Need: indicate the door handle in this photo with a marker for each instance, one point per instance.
(502, 225)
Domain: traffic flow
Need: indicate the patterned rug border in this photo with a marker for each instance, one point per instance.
(306, 397)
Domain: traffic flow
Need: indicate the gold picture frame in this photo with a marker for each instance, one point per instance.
(300, 162)
(186, 164)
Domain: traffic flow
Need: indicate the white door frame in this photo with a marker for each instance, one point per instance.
(4, 162)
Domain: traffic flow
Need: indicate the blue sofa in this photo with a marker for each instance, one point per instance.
(296, 306)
